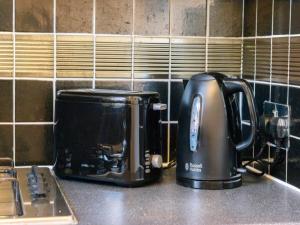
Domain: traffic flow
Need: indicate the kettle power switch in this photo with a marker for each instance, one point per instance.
(156, 161)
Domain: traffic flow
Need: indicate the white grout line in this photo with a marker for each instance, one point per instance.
(94, 44)
(170, 122)
(242, 60)
(73, 79)
(276, 180)
(54, 60)
(129, 35)
(289, 53)
(6, 123)
(34, 123)
(274, 36)
(169, 84)
(50, 33)
(27, 123)
(91, 79)
(34, 78)
(14, 82)
(255, 49)
(48, 166)
(207, 35)
(156, 36)
(288, 87)
(274, 84)
(270, 75)
(132, 44)
(271, 53)
(294, 137)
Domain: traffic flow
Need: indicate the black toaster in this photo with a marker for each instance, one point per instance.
(108, 136)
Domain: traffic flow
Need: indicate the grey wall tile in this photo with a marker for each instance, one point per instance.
(248, 59)
(151, 17)
(249, 18)
(160, 87)
(188, 17)
(34, 101)
(281, 17)
(34, 145)
(279, 170)
(245, 110)
(177, 90)
(293, 177)
(173, 141)
(294, 94)
(74, 16)
(278, 94)
(34, 16)
(6, 141)
(263, 59)
(114, 16)
(164, 135)
(225, 18)
(261, 94)
(264, 17)
(151, 57)
(295, 17)
(6, 101)
(69, 84)
(115, 85)
(6, 15)
(280, 60)
(294, 60)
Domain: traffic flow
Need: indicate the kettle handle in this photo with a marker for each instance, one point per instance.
(239, 85)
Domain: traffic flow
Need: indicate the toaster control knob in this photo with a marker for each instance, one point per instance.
(156, 161)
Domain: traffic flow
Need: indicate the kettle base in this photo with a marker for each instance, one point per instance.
(234, 182)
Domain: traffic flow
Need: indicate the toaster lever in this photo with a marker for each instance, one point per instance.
(159, 106)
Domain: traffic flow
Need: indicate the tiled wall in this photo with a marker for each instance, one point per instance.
(47, 45)
(271, 62)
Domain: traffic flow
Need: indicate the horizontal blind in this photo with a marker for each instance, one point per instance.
(187, 56)
(280, 59)
(295, 61)
(151, 57)
(113, 56)
(224, 55)
(34, 55)
(6, 55)
(75, 56)
(248, 59)
(263, 54)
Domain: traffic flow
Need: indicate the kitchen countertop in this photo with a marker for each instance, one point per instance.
(257, 201)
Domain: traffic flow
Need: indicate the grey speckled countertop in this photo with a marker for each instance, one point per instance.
(258, 201)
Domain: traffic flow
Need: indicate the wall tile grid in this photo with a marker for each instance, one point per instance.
(141, 45)
(117, 44)
(271, 49)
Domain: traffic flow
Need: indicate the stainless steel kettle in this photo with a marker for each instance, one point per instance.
(209, 132)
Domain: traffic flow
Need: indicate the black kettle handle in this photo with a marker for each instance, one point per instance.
(239, 85)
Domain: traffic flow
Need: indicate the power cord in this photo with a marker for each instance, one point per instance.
(170, 164)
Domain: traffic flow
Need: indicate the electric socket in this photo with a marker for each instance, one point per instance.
(276, 124)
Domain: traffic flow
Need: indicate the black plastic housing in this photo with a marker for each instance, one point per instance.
(213, 163)
(107, 136)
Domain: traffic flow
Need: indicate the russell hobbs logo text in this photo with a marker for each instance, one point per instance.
(194, 167)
